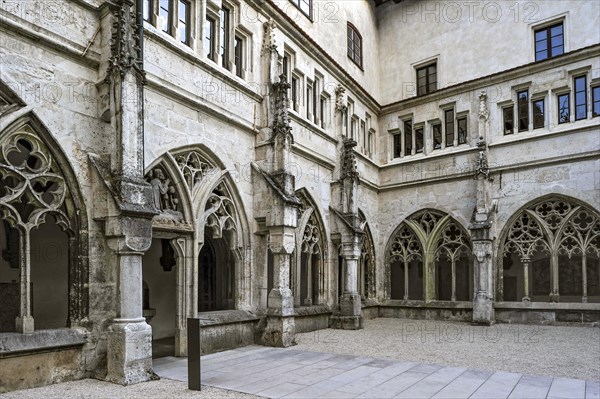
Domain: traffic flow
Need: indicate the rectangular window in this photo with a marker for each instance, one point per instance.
(224, 38)
(354, 45)
(316, 102)
(437, 136)
(163, 16)
(147, 8)
(295, 93)
(397, 145)
(285, 68)
(549, 42)
(596, 101)
(353, 133)
(305, 6)
(523, 110)
(408, 146)
(580, 98)
(309, 97)
(209, 38)
(508, 116)
(426, 79)
(370, 144)
(449, 121)
(184, 21)
(462, 130)
(419, 144)
(238, 52)
(322, 111)
(564, 108)
(538, 114)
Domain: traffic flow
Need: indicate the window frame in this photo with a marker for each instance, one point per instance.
(225, 14)
(575, 92)
(595, 100)
(396, 144)
(408, 137)
(459, 118)
(419, 127)
(437, 126)
(351, 44)
(211, 54)
(534, 101)
(524, 114)
(558, 107)
(238, 59)
(447, 123)
(426, 68)
(548, 40)
(309, 15)
(169, 17)
(510, 108)
(187, 22)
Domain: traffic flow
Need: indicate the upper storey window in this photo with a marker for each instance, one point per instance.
(354, 45)
(305, 6)
(549, 42)
(426, 79)
(171, 16)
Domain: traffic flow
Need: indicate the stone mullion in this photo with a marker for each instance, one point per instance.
(453, 296)
(74, 283)
(554, 294)
(584, 277)
(406, 278)
(24, 322)
(526, 261)
(309, 279)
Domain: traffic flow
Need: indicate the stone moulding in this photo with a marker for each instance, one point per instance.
(16, 344)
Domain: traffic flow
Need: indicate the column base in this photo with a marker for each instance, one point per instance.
(483, 310)
(345, 322)
(181, 344)
(24, 325)
(554, 297)
(280, 331)
(350, 315)
(130, 352)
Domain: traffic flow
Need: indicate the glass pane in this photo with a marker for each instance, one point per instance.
(419, 140)
(556, 30)
(540, 35)
(580, 84)
(208, 37)
(163, 15)
(539, 46)
(580, 98)
(542, 55)
(508, 120)
(462, 130)
(580, 112)
(147, 10)
(538, 114)
(563, 108)
(596, 101)
(437, 137)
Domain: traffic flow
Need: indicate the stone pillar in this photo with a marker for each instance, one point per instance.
(24, 322)
(554, 293)
(349, 317)
(129, 336)
(481, 227)
(526, 265)
(280, 327)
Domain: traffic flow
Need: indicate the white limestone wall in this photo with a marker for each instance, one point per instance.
(470, 39)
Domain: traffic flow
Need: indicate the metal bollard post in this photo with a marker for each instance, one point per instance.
(193, 336)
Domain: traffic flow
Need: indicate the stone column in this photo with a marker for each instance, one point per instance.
(24, 322)
(280, 327)
(349, 317)
(554, 293)
(526, 265)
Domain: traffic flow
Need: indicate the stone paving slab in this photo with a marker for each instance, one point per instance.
(291, 373)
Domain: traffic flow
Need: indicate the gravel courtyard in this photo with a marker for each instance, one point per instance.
(567, 351)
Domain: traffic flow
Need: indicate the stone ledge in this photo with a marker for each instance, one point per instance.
(548, 306)
(226, 317)
(421, 304)
(14, 344)
(311, 310)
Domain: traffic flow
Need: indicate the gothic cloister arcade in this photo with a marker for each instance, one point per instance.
(43, 234)
(200, 236)
(429, 258)
(549, 252)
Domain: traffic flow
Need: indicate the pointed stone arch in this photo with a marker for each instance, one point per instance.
(366, 269)
(37, 182)
(554, 242)
(308, 275)
(416, 253)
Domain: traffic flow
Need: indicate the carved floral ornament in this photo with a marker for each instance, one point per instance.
(31, 185)
(555, 227)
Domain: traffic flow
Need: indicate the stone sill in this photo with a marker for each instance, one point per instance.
(223, 317)
(16, 344)
(314, 310)
(548, 306)
(400, 303)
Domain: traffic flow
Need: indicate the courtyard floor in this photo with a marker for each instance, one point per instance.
(388, 358)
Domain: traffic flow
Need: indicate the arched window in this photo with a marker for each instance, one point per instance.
(41, 236)
(551, 250)
(429, 259)
(355, 45)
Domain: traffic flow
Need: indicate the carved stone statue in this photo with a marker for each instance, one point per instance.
(160, 188)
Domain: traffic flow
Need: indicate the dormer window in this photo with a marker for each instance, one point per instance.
(354, 45)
